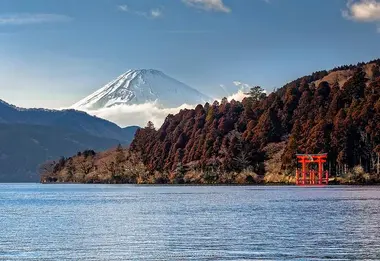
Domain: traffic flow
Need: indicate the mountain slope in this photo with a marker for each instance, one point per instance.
(65, 119)
(29, 137)
(23, 147)
(139, 87)
(130, 131)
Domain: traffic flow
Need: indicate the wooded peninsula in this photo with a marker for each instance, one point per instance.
(251, 142)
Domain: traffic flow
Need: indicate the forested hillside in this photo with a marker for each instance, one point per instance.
(337, 112)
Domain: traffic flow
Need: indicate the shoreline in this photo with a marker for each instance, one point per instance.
(206, 185)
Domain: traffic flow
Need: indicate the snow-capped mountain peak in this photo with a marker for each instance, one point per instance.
(142, 86)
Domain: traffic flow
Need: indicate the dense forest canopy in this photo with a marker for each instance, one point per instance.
(337, 112)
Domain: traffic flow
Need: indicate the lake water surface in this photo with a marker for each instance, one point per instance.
(121, 222)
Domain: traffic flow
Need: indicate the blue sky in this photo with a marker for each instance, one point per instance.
(54, 52)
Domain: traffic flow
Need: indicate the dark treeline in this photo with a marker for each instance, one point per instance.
(337, 112)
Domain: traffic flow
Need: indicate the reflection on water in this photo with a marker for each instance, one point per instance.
(109, 222)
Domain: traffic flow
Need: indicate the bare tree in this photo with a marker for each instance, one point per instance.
(85, 167)
(46, 170)
(110, 167)
(242, 160)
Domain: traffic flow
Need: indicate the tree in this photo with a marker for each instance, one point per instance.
(375, 72)
(70, 170)
(242, 160)
(224, 101)
(241, 156)
(210, 114)
(355, 86)
(46, 171)
(150, 125)
(88, 153)
(85, 166)
(257, 93)
(120, 155)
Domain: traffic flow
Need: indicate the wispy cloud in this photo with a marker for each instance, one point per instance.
(363, 11)
(23, 19)
(187, 31)
(208, 5)
(123, 8)
(152, 13)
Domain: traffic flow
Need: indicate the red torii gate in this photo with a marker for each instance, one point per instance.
(308, 177)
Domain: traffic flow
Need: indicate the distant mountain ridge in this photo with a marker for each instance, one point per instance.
(29, 137)
(70, 119)
(23, 147)
(142, 86)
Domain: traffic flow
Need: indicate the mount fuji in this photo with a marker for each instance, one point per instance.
(142, 86)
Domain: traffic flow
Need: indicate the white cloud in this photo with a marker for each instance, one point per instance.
(237, 90)
(152, 14)
(155, 13)
(23, 19)
(128, 115)
(362, 10)
(239, 96)
(209, 5)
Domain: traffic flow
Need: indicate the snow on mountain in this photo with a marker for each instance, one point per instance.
(139, 87)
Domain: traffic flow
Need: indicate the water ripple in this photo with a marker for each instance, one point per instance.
(105, 222)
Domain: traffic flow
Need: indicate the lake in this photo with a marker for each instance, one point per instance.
(126, 222)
